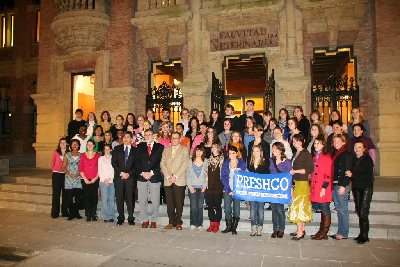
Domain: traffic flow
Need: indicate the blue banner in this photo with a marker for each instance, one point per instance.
(273, 188)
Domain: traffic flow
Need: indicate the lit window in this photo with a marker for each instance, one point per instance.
(7, 30)
(38, 26)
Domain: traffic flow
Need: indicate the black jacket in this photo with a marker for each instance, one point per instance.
(343, 162)
(146, 163)
(73, 128)
(304, 126)
(363, 172)
(118, 162)
(242, 120)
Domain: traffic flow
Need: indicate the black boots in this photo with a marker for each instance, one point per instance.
(235, 222)
(228, 226)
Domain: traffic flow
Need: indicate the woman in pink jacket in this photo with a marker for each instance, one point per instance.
(321, 186)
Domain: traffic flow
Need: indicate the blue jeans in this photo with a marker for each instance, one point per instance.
(278, 217)
(323, 207)
(107, 201)
(257, 213)
(196, 207)
(342, 208)
(229, 201)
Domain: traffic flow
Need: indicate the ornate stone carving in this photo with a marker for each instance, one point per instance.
(80, 31)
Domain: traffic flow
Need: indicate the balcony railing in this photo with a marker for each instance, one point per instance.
(144, 5)
(70, 5)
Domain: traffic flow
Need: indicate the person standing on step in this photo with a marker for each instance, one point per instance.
(106, 175)
(362, 185)
(149, 178)
(173, 166)
(74, 125)
(215, 188)
(124, 163)
(257, 164)
(73, 184)
(58, 180)
(321, 186)
(196, 176)
(89, 170)
(231, 204)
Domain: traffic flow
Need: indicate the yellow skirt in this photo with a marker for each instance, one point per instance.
(300, 209)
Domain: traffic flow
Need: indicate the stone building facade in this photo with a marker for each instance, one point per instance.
(118, 41)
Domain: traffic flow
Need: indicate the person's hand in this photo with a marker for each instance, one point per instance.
(238, 169)
(342, 190)
(87, 181)
(231, 193)
(322, 193)
(348, 173)
(172, 179)
(292, 172)
(203, 190)
(193, 190)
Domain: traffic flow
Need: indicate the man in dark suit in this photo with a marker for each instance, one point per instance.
(149, 178)
(123, 161)
(249, 113)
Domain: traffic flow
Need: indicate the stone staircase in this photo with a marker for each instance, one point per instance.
(30, 189)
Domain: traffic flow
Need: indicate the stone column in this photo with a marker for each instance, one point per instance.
(195, 87)
(388, 88)
(291, 50)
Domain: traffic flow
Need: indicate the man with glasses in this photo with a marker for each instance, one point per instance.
(174, 163)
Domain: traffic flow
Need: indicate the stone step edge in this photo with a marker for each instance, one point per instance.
(26, 193)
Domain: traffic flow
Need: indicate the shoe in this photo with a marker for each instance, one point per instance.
(269, 208)
(169, 226)
(295, 234)
(55, 216)
(212, 225)
(179, 227)
(205, 207)
(297, 238)
(337, 237)
(78, 216)
(357, 238)
(120, 222)
(111, 220)
(254, 233)
(216, 227)
(153, 225)
(200, 228)
(88, 219)
(105, 220)
(145, 224)
(259, 232)
(280, 234)
(228, 227)
(274, 234)
(131, 222)
(192, 228)
(235, 223)
(65, 215)
(248, 219)
(322, 233)
(70, 218)
(362, 240)
(94, 218)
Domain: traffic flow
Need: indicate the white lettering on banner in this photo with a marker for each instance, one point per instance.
(244, 181)
(260, 194)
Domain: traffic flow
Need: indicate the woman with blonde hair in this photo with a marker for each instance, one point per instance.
(358, 118)
(164, 134)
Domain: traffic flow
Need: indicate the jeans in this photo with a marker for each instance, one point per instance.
(143, 189)
(107, 201)
(196, 207)
(257, 213)
(229, 201)
(323, 207)
(278, 217)
(342, 208)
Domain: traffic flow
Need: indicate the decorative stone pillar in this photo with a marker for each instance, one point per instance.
(388, 88)
(292, 60)
(195, 87)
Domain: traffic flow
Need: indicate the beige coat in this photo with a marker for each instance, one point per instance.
(175, 166)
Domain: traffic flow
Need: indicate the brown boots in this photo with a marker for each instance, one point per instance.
(323, 228)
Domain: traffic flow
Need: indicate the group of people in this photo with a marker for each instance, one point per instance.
(154, 161)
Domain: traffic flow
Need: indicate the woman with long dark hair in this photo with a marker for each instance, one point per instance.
(362, 185)
(216, 121)
(58, 180)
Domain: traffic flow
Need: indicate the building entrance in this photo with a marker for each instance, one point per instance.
(245, 77)
(83, 92)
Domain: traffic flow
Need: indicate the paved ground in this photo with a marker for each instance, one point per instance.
(47, 242)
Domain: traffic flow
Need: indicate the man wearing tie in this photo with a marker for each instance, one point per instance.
(123, 161)
(149, 178)
(174, 163)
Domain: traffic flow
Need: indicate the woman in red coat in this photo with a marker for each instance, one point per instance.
(321, 186)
